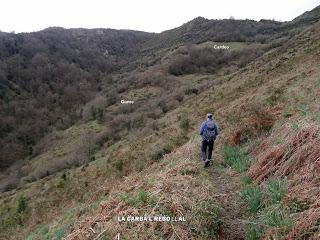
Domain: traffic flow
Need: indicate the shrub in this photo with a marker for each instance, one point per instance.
(11, 216)
(59, 233)
(253, 197)
(184, 122)
(22, 205)
(178, 66)
(190, 91)
(164, 106)
(94, 110)
(158, 154)
(179, 97)
(195, 59)
(119, 164)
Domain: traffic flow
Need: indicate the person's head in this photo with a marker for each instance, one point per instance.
(209, 116)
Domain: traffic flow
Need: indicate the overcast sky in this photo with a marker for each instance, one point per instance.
(145, 15)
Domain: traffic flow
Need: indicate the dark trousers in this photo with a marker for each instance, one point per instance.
(206, 149)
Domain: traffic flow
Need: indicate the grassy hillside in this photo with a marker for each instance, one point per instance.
(276, 130)
(143, 159)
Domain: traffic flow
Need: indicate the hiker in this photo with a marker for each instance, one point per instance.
(209, 130)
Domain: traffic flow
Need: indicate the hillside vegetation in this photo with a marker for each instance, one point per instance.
(280, 133)
(74, 158)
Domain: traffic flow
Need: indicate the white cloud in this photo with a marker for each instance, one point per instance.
(145, 15)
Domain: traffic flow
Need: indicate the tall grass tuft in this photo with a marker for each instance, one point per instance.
(277, 189)
(278, 218)
(236, 158)
(252, 232)
(253, 197)
(209, 214)
(245, 180)
(184, 122)
(136, 199)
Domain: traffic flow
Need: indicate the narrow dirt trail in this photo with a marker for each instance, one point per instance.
(227, 187)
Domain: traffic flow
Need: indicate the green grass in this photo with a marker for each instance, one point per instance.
(303, 111)
(59, 233)
(236, 158)
(278, 217)
(14, 213)
(22, 205)
(276, 189)
(295, 126)
(60, 227)
(137, 199)
(252, 232)
(184, 122)
(245, 180)
(253, 197)
(278, 141)
(47, 232)
(316, 117)
(42, 232)
(208, 213)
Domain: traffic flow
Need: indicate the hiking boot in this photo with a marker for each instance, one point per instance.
(207, 163)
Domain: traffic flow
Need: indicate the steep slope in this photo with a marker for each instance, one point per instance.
(308, 17)
(249, 88)
(176, 187)
(46, 76)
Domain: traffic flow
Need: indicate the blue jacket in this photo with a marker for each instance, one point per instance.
(204, 126)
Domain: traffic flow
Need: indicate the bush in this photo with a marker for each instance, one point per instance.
(22, 205)
(190, 91)
(13, 215)
(160, 152)
(197, 59)
(119, 164)
(179, 97)
(184, 122)
(59, 233)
